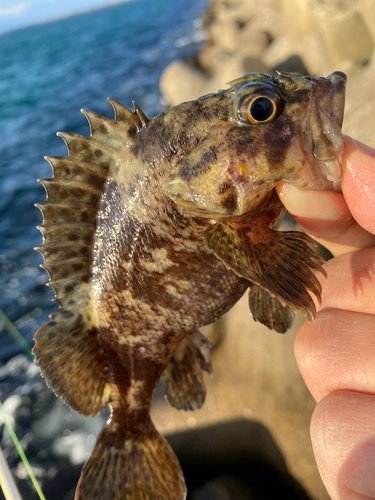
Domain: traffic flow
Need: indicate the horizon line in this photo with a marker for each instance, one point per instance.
(68, 16)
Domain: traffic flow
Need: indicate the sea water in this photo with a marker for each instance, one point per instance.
(47, 74)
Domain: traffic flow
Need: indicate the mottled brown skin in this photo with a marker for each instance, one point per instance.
(161, 285)
(153, 229)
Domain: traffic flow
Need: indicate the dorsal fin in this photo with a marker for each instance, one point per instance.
(104, 130)
(127, 119)
(68, 348)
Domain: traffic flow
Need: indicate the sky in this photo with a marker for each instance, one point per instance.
(16, 14)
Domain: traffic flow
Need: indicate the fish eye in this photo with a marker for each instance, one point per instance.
(257, 109)
(260, 109)
(257, 104)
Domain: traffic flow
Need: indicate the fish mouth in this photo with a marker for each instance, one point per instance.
(242, 198)
(192, 202)
(179, 193)
(175, 188)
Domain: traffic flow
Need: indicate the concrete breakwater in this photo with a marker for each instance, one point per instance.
(312, 37)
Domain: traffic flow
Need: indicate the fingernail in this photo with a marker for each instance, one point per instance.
(353, 152)
(364, 147)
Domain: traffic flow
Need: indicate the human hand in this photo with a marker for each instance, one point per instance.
(336, 353)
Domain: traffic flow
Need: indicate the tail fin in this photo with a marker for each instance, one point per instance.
(135, 468)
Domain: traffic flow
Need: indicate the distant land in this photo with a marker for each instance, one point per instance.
(22, 14)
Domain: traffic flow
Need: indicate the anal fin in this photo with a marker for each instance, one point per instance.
(183, 377)
(269, 310)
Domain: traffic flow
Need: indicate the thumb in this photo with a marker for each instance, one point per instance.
(345, 221)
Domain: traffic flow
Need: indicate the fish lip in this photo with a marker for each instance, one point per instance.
(193, 210)
(174, 188)
(250, 193)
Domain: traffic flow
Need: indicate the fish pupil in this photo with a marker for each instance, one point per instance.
(261, 109)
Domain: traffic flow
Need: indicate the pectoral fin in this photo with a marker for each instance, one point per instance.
(279, 262)
(268, 310)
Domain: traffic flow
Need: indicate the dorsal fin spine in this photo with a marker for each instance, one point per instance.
(67, 168)
(129, 120)
(125, 118)
(142, 117)
(49, 182)
(106, 131)
(89, 150)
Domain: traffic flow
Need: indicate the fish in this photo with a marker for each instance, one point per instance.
(154, 228)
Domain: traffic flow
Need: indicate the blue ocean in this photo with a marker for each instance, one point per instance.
(47, 74)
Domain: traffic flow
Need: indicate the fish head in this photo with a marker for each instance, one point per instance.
(261, 130)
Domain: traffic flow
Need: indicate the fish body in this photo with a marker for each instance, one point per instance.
(155, 228)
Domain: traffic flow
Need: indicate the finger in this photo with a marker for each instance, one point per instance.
(327, 215)
(337, 352)
(358, 184)
(343, 439)
(350, 283)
